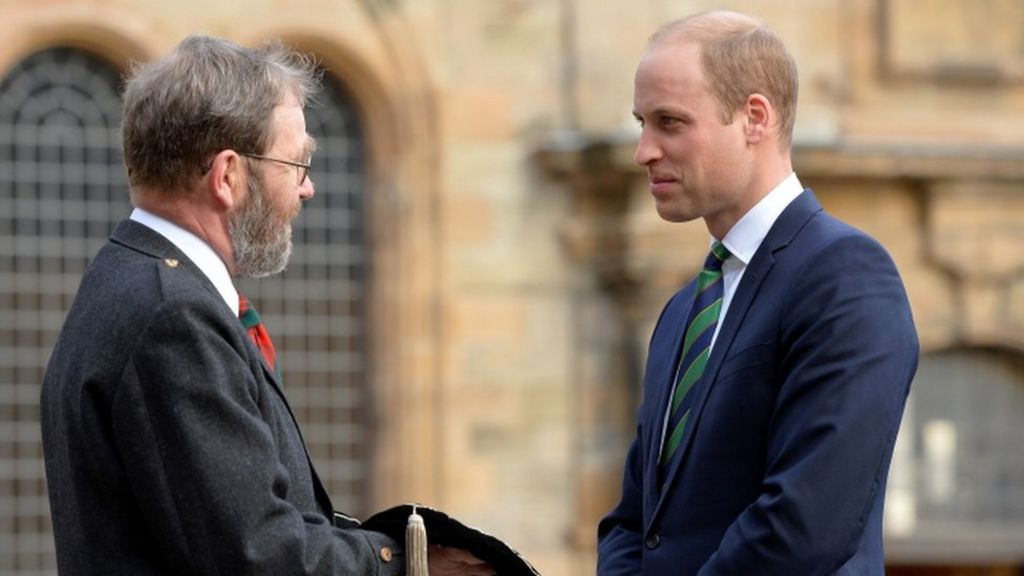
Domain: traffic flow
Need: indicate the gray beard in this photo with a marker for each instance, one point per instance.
(262, 245)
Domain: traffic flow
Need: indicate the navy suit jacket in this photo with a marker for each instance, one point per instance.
(786, 453)
(169, 445)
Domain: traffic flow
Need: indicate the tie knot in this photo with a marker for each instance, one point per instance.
(718, 255)
(246, 313)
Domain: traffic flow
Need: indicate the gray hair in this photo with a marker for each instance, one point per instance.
(208, 95)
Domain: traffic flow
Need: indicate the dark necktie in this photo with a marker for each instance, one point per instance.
(696, 348)
(257, 332)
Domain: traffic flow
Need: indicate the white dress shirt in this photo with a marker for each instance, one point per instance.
(197, 251)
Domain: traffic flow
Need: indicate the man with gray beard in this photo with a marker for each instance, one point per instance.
(170, 447)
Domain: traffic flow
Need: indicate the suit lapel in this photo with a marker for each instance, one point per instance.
(789, 223)
(322, 497)
(661, 374)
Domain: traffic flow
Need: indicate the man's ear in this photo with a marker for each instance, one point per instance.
(226, 180)
(759, 117)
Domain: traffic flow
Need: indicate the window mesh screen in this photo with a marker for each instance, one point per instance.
(62, 188)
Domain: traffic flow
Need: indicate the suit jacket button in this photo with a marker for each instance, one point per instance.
(652, 541)
(386, 555)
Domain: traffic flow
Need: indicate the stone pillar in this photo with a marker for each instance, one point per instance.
(607, 369)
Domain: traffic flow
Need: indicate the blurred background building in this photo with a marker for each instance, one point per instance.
(465, 319)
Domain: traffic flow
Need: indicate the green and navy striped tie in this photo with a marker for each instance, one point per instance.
(696, 348)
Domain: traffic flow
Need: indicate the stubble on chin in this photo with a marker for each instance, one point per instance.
(676, 213)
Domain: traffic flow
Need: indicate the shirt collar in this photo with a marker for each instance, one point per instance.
(746, 236)
(198, 251)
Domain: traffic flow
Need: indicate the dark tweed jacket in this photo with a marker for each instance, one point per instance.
(170, 447)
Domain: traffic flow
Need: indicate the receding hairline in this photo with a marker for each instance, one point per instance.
(705, 27)
(739, 56)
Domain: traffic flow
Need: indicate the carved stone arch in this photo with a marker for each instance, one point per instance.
(116, 37)
(394, 96)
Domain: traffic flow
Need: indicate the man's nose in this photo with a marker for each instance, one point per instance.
(647, 150)
(307, 189)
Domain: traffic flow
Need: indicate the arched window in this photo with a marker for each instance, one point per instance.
(62, 188)
(956, 490)
(317, 309)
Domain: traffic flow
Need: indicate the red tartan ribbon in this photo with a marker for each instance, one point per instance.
(251, 321)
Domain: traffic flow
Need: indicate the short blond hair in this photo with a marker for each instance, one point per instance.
(740, 56)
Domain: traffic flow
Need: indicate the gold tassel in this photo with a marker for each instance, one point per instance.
(416, 546)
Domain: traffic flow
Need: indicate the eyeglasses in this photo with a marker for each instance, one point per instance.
(302, 169)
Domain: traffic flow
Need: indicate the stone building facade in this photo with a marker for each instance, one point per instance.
(502, 264)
